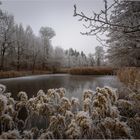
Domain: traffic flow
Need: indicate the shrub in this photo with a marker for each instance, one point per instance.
(51, 116)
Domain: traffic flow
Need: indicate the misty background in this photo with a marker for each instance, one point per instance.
(57, 14)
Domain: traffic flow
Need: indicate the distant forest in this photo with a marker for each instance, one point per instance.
(21, 49)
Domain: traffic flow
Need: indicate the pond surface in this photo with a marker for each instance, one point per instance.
(75, 85)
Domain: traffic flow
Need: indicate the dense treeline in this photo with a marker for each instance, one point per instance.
(21, 49)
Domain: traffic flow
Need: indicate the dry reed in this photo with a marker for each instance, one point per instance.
(130, 77)
(92, 71)
(52, 115)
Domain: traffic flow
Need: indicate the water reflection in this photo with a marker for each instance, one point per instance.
(73, 84)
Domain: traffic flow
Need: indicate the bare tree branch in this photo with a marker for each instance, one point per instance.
(101, 22)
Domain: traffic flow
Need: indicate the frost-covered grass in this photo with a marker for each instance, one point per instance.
(92, 71)
(52, 115)
(130, 108)
(130, 76)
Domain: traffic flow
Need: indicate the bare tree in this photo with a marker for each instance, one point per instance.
(120, 21)
(6, 35)
(91, 59)
(35, 52)
(124, 48)
(19, 43)
(47, 34)
(99, 55)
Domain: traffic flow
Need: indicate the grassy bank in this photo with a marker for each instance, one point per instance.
(61, 71)
(92, 71)
(10, 74)
(130, 77)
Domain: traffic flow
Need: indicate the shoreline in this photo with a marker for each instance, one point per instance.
(72, 71)
(14, 74)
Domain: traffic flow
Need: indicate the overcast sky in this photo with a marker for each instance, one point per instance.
(57, 14)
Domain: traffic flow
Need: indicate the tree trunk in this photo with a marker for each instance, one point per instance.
(98, 62)
(34, 63)
(2, 57)
(18, 59)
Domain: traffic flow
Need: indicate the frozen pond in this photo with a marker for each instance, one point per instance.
(75, 85)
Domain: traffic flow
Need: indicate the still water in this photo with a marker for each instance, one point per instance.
(75, 85)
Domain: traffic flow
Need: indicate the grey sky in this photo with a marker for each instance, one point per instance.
(57, 14)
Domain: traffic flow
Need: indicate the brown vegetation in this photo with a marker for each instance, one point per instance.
(63, 70)
(130, 76)
(92, 71)
(52, 115)
(10, 74)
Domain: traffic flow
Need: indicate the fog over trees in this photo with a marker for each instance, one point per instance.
(66, 93)
(21, 49)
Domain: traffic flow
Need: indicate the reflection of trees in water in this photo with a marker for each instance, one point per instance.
(74, 84)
